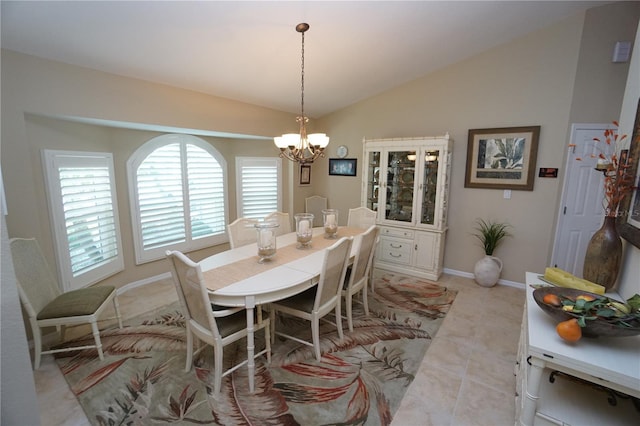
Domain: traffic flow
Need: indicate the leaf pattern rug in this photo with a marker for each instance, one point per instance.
(359, 381)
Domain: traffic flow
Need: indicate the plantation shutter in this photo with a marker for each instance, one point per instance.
(161, 198)
(258, 186)
(206, 193)
(81, 193)
(177, 196)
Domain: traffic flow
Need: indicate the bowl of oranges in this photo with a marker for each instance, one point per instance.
(581, 313)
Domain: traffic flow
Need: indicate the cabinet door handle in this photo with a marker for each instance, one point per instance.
(392, 246)
(416, 247)
(392, 255)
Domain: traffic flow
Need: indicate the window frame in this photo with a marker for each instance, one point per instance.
(52, 160)
(135, 160)
(250, 161)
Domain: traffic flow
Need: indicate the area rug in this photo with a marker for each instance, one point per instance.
(360, 380)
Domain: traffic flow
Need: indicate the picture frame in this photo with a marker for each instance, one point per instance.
(502, 158)
(305, 175)
(629, 220)
(343, 166)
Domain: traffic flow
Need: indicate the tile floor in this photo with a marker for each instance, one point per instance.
(466, 378)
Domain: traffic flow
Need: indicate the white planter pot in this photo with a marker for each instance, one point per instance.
(487, 271)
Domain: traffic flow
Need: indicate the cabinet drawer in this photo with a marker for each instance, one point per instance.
(395, 250)
(398, 233)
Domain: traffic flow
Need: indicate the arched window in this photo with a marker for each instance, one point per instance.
(177, 193)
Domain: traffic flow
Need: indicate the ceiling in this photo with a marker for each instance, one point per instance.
(250, 51)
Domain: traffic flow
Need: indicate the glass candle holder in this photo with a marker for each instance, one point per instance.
(266, 240)
(304, 229)
(330, 221)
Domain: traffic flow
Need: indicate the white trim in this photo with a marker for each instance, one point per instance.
(470, 275)
(52, 160)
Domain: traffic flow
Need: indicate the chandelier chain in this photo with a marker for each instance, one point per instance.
(302, 78)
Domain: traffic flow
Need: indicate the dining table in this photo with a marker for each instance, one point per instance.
(236, 278)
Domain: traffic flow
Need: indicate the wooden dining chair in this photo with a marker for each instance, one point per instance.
(216, 326)
(46, 304)
(314, 205)
(357, 276)
(242, 232)
(361, 217)
(320, 300)
(282, 219)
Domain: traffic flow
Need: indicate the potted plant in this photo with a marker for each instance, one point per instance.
(491, 234)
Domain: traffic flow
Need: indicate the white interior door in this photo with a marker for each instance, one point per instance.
(581, 208)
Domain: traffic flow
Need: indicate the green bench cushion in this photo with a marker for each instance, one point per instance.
(84, 301)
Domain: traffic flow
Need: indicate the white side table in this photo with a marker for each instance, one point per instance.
(610, 362)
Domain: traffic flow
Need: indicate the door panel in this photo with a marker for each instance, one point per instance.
(581, 209)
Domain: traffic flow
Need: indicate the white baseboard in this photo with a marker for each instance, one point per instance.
(470, 275)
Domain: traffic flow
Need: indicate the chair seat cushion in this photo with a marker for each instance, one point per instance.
(232, 323)
(302, 301)
(84, 301)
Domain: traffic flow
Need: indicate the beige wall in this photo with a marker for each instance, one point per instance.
(530, 81)
(533, 80)
(39, 95)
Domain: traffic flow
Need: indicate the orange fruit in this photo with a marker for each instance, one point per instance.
(551, 299)
(569, 330)
(586, 297)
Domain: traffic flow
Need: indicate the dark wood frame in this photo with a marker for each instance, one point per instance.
(336, 163)
(305, 175)
(630, 231)
(521, 178)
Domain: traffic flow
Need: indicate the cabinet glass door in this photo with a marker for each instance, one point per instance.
(401, 168)
(373, 179)
(429, 186)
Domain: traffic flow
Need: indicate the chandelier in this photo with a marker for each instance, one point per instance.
(301, 147)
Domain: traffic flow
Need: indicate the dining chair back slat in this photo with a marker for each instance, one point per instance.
(282, 219)
(314, 205)
(320, 300)
(216, 327)
(242, 232)
(361, 217)
(359, 272)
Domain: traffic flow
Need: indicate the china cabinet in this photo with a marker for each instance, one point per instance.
(406, 181)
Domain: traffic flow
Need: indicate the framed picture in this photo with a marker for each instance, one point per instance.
(629, 219)
(502, 158)
(342, 166)
(305, 175)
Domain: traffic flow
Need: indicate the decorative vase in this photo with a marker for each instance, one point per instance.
(604, 255)
(487, 271)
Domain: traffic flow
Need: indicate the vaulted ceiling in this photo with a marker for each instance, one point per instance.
(250, 51)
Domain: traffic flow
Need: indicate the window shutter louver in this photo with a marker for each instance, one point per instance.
(206, 193)
(161, 198)
(258, 186)
(81, 192)
(88, 211)
(178, 199)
